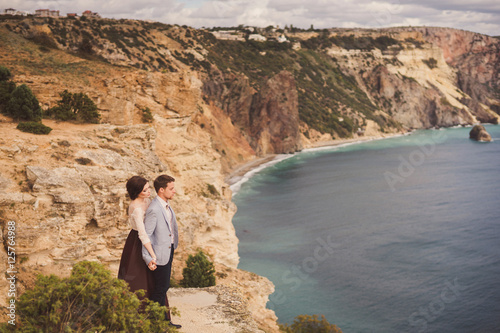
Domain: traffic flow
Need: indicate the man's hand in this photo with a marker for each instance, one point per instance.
(152, 264)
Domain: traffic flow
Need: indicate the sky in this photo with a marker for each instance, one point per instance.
(482, 16)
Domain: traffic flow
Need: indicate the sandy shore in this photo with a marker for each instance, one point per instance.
(240, 172)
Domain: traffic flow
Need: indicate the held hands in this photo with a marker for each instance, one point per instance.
(152, 264)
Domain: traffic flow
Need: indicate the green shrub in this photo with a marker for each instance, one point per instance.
(310, 324)
(33, 127)
(77, 106)
(212, 190)
(147, 116)
(6, 89)
(23, 105)
(431, 63)
(199, 272)
(89, 300)
(4, 73)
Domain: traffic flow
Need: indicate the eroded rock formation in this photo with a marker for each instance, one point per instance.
(479, 133)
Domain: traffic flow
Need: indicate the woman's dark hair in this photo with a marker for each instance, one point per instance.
(135, 185)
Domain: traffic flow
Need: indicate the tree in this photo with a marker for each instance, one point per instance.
(310, 324)
(90, 300)
(199, 272)
(77, 106)
(23, 105)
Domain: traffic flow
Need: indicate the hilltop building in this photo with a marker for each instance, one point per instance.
(229, 35)
(89, 13)
(12, 11)
(46, 13)
(257, 37)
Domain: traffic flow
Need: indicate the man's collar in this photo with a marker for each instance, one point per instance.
(163, 202)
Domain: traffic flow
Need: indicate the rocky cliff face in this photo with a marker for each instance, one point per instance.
(476, 59)
(274, 116)
(429, 79)
(269, 118)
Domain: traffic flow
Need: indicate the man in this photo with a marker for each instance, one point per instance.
(161, 227)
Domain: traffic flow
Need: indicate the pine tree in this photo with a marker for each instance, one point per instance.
(199, 272)
(23, 105)
(75, 106)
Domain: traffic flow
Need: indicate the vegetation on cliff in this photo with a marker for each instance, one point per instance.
(324, 90)
(74, 106)
(199, 272)
(20, 103)
(90, 300)
(310, 324)
(334, 96)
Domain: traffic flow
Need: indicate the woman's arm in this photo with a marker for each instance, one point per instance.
(138, 216)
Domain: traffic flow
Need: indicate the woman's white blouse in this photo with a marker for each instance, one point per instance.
(136, 221)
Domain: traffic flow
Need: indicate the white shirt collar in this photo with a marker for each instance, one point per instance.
(162, 202)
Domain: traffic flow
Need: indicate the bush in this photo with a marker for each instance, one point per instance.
(4, 73)
(33, 127)
(23, 105)
(147, 116)
(6, 89)
(78, 107)
(431, 63)
(310, 324)
(90, 300)
(199, 272)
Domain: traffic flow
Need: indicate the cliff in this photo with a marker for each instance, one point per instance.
(216, 105)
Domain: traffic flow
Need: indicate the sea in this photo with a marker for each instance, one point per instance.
(400, 234)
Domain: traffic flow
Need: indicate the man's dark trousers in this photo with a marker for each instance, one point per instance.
(161, 277)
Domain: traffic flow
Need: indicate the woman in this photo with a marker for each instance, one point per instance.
(133, 269)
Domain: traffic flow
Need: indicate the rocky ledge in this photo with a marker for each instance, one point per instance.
(218, 309)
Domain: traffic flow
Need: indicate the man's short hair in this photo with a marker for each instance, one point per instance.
(162, 182)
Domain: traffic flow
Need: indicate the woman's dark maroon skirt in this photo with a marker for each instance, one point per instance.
(133, 269)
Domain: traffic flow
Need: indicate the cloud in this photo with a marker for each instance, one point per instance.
(481, 16)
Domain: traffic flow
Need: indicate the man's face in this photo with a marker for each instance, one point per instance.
(169, 191)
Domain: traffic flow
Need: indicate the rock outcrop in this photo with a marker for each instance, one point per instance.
(269, 118)
(274, 117)
(479, 133)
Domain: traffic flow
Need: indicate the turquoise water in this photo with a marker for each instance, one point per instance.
(395, 235)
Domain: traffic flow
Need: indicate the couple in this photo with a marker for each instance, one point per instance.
(146, 261)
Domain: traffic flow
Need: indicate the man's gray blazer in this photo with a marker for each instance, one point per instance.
(159, 233)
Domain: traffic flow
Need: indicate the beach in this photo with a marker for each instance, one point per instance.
(244, 171)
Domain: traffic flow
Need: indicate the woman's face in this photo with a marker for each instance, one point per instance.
(146, 192)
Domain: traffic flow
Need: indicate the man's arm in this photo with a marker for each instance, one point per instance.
(149, 226)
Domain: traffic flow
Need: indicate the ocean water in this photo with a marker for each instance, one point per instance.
(395, 235)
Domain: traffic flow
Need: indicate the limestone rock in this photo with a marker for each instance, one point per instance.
(274, 117)
(64, 184)
(479, 133)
